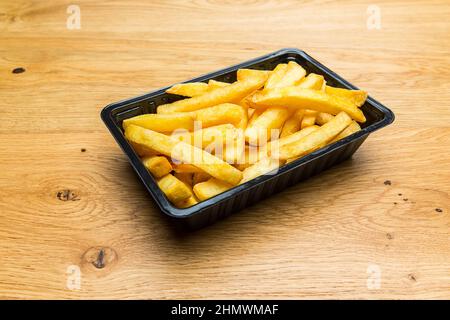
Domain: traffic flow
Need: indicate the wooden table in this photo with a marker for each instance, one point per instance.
(376, 226)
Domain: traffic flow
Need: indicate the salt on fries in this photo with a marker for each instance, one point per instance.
(225, 134)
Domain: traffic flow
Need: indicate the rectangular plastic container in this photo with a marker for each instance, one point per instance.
(241, 196)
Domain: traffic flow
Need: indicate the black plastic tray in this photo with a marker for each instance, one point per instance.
(241, 196)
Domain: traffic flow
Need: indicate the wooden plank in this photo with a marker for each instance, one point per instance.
(68, 197)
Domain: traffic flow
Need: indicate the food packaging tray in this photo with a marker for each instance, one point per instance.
(244, 195)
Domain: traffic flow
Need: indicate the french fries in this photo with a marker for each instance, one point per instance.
(157, 165)
(235, 147)
(213, 84)
(261, 167)
(312, 81)
(315, 139)
(309, 118)
(185, 168)
(210, 188)
(244, 74)
(293, 137)
(288, 75)
(251, 155)
(323, 117)
(187, 179)
(303, 118)
(352, 128)
(191, 89)
(184, 152)
(207, 138)
(261, 129)
(357, 97)
(254, 116)
(189, 202)
(299, 98)
(270, 122)
(292, 124)
(221, 114)
(175, 190)
(226, 134)
(162, 122)
(269, 147)
(316, 82)
(250, 112)
(142, 151)
(275, 76)
(232, 93)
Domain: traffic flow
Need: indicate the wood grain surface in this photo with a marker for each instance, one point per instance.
(69, 199)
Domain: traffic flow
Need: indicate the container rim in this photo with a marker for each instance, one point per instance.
(150, 183)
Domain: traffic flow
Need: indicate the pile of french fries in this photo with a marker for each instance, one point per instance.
(225, 134)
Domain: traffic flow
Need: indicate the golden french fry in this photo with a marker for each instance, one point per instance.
(221, 114)
(243, 103)
(251, 155)
(250, 112)
(184, 153)
(316, 148)
(175, 190)
(185, 168)
(357, 97)
(200, 177)
(261, 167)
(323, 117)
(235, 152)
(309, 118)
(315, 139)
(234, 147)
(310, 112)
(299, 98)
(267, 126)
(143, 151)
(303, 118)
(270, 147)
(208, 138)
(189, 202)
(158, 166)
(352, 128)
(298, 157)
(292, 76)
(187, 179)
(210, 188)
(275, 76)
(262, 129)
(193, 89)
(295, 136)
(292, 124)
(255, 115)
(244, 74)
(190, 89)
(312, 81)
(234, 92)
(214, 84)
(161, 122)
